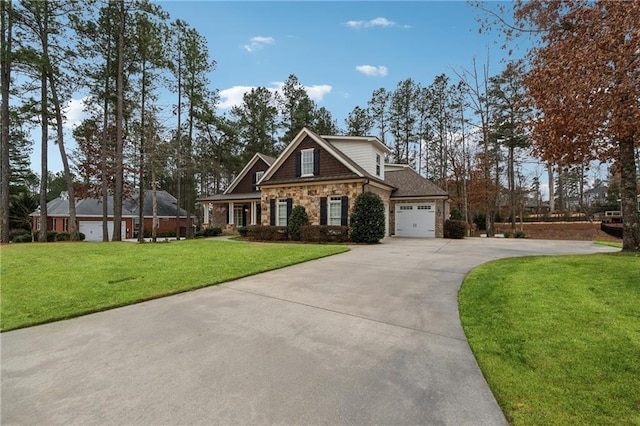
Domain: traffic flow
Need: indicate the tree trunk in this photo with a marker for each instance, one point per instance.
(73, 223)
(142, 141)
(178, 147)
(629, 196)
(103, 146)
(5, 79)
(154, 203)
(119, 177)
(552, 201)
(512, 188)
(44, 146)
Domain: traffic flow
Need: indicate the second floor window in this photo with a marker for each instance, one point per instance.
(378, 161)
(306, 163)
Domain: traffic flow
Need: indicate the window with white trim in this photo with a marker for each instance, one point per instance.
(306, 162)
(282, 212)
(259, 175)
(65, 224)
(335, 211)
(406, 207)
(237, 215)
(378, 163)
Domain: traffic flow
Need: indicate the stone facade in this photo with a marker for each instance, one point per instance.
(308, 196)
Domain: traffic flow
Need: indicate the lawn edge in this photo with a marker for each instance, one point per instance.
(163, 295)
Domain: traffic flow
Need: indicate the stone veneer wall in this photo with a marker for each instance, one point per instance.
(442, 213)
(308, 196)
(218, 216)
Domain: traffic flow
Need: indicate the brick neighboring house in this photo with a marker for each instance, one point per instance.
(89, 215)
(324, 174)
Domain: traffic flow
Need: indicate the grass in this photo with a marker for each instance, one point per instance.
(47, 282)
(608, 243)
(558, 338)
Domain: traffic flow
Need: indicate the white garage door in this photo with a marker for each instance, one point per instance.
(93, 229)
(416, 220)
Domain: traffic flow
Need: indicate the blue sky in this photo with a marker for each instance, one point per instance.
(340, 51)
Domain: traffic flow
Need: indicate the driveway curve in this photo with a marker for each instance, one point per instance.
(371, 336)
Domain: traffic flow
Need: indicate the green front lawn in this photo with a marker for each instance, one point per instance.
(558, 338)
(53, 281)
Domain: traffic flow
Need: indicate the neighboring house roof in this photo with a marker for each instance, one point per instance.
(233, 197)
(411, 184)
(358, 172)
(267, 159)
(166, 202)
(92, 207)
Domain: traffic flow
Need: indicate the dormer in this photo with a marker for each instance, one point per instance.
(366, 151)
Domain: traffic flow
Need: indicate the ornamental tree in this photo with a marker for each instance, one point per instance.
(584, 86)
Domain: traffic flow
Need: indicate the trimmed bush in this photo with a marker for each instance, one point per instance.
(209, 232)
(147, 233)
(22, 238)
(267, 233)
(297, 220)
(367, 218)
(51, 236)
(519, 234)
(507, 234)
(324, 234)
(63, 236)
(242, 230)
(17, 232)
(455, 229)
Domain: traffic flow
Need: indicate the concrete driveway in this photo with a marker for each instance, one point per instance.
(367, 337)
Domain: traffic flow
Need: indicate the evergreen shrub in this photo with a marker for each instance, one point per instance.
(367, 218)
(455, 229)
(297, 220)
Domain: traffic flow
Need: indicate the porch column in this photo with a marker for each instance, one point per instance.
(253, 212)
(230, 212)
(206, 207)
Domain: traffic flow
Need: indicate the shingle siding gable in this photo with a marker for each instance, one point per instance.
(328, 165)
(246, 184)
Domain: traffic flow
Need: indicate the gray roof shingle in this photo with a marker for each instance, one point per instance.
(92, 207)
(411, 184)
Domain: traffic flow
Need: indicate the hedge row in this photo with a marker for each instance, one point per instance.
(51, 237)
(308, 233)
(324, 234)
(267, 233)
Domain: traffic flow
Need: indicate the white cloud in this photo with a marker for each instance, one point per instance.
(373, 71)
(74, 112)
(317, 92)
(233, 96)
(258, 42)
(375, 22)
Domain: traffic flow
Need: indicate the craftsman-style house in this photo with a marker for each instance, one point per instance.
(324, 174)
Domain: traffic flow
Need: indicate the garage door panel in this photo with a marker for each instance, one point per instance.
(415, 220)
(93, 229)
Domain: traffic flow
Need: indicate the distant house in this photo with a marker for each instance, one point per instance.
(325, 174)
(89, 215)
